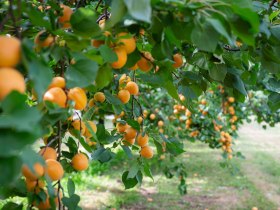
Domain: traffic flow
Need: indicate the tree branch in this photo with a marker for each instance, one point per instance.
(271, 4)
(228, 48)
(99, 2)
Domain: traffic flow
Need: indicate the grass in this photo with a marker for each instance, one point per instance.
(209, 186)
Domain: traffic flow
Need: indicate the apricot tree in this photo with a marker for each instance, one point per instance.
(168, 71)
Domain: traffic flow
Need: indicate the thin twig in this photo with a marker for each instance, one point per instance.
(11, 2)
(99, 2)
(133, 98)
(2, 24)
(271, 4)
(175, 75)
(49, 143)
(228, 48)
(58, 159)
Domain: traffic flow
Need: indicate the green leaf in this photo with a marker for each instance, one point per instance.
(134, 124)
(273, 85)
(173, 146)
(133, 171)
(112, 99)
(108, 54)
(82, 73)
(40, 74)
(140, 9)
(127, 151)
(236, 82)
(30, 157)
(148, 172)
(75, 43)
(18, 115)
(104, 77)
(71, 202)
(83, 21)
(218, 72)
(132, 58)
(10, 169)
(102, 155)
(12, 206)
(171, 37)
(37, 18)
(219, 27)
(70, 187)
(249, 15)
(205, 38)
(119, 10)
(13, 142)
(191, 91)
(85, 145)
(104, 136)
(274, 101)
(129, 182)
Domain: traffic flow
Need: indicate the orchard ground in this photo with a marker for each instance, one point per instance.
(253, 181)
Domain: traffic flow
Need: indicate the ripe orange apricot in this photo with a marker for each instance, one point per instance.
(80, 162)
(97, 43)
(54, 170)
(66, 15)
(42, 39)
(101, 23)
(124, 96)
(160, 123)
(121, 127)
(79, 125)
(203, 102)
(133, 68)
(139, 119)
(10, 79)
(178, 60)
(78, 95)
(128, 142)
(122, 58)
(147, 152)
(152, 116)
(231, 99)
(93, 127)
(36, 185)
(130, 133)
(57, 82)
(144, 64)
(48, 153)
(9, 51)
(56, 95)
(100, 97)
(128, 43)
(33, 175)
(43, 205)
(124, 79)
(91, 103)
(132, 88)
(142, 140)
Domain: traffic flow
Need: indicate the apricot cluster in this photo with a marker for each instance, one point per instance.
(226, 141)
(10, 78)
(129, 136)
